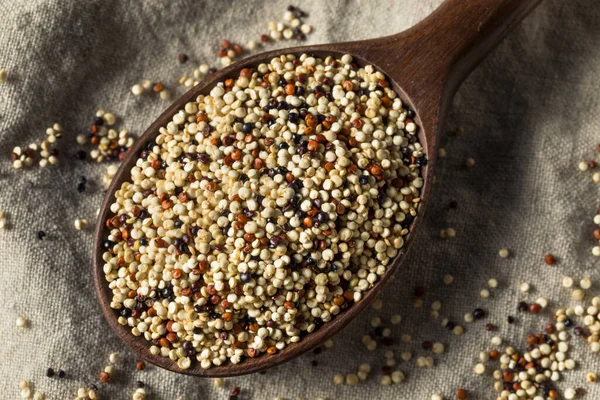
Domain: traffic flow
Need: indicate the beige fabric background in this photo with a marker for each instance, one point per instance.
(529, 113)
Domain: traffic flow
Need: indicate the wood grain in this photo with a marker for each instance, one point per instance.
(425, 64)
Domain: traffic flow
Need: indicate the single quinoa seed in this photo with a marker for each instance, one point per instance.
(285, 184)
(549, 259)
(104, 377)
(182, 58)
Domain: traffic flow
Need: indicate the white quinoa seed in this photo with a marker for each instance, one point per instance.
(542, 301)
(503, 253)
(377, 304)
(114, 358)
(22, 322)
(351, 379)
(438, 348)
(591, 377)
(3, 75)
(577, 295)
(338, 379)
(137, 89)
(567, 282)
(397, 376)
(80, 224)
(448, 279)
(570, 393)
(479, 369)
(218, 382)
(585, 283)
(165, 95)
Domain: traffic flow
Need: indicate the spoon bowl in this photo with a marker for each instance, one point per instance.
(425, 65)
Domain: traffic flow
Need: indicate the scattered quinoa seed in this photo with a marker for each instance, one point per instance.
(479, 369)
(524, 287)
(104, 377)
(22, 322)
(137, 89)
(182, 58)
(218, 382)
(448, 279)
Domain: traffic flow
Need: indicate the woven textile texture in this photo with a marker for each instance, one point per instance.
(530, 112)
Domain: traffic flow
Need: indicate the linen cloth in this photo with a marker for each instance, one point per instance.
(530, 112)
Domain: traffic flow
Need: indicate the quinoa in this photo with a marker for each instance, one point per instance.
(263, 209)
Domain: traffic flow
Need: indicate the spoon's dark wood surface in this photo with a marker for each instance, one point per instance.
(425, 64)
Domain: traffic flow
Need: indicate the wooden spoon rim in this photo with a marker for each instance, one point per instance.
(139, 344)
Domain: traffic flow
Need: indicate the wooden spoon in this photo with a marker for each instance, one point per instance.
(425, 64)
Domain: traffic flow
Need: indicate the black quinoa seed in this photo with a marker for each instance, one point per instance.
(247, 127)
(478, 313)
(568, 323)
(41, 235)
(182, 58)
(49, 372)
(245, 277)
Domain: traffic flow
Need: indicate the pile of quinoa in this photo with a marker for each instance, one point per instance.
(263, 209)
